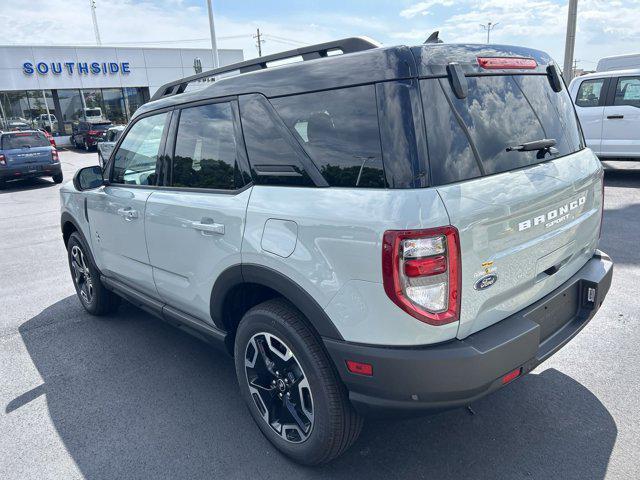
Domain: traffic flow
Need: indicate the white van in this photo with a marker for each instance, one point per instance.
(608, 105)
(619, 62)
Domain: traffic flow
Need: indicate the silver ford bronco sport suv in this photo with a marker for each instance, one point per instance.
(366, 231)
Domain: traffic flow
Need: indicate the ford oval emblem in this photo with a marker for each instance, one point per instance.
(486, 281)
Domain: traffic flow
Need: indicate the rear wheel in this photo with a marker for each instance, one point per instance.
(86, 145)
(95, 298)
(291, 387)
(57, 178)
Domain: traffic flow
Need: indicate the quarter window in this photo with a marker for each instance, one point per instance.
(206, 152)
(135, 161)
(339, 131)
(590, 92)
(628, 91)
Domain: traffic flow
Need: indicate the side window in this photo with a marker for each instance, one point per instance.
(206, 153)
(135, 161)
(273, 158)
(339, 131)
(590, 92)
(628, 91)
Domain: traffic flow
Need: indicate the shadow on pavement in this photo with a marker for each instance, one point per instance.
(131, 397)
(26, 184)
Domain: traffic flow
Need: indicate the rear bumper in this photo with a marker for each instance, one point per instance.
(29, 171)
(453, 374)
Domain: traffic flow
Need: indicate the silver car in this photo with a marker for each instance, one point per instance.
(106, 144)
(402, 229)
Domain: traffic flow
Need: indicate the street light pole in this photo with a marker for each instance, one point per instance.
(488, 27)
(92, 4)
(214, 46)
(570, 40)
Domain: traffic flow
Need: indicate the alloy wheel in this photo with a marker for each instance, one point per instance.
(279, 387)
(81, 274)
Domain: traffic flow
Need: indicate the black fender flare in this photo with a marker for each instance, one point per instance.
(258, 274)
(65, 218)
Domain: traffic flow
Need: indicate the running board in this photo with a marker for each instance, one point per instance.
(164, 312)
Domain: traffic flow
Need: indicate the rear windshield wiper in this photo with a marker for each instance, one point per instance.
(544, 146)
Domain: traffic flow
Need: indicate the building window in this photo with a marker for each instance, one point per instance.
(71, 108)
(114, 106)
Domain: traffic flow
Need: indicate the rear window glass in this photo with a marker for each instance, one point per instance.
(339, 131)
(99, 126)
(468, 137)
(12, 141)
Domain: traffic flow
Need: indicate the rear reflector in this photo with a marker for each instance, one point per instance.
(511, 376)
(425, 266)
(359, 368)
(498, 63)
(3, 160)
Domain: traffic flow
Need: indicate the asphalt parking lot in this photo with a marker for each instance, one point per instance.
(131, 397)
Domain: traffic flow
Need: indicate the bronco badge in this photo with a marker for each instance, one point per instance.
(486, 282)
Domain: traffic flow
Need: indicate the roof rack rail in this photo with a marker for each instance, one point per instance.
(320, 50)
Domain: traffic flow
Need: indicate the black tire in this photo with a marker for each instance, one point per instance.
(86, 146)
(57, 178)
(335, 425)
(100, 301)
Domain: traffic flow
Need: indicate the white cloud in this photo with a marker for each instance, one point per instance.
(422, 8)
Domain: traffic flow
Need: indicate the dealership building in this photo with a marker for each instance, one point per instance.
(37, 81)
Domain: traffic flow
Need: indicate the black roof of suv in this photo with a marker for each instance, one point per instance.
(362, 61)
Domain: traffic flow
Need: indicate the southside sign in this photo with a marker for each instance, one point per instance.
(76, 68)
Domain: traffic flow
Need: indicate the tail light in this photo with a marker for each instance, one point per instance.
(421, 272)
(3, 160)
(94, 132)
(54, 156)
(500, 63)
(601, 206)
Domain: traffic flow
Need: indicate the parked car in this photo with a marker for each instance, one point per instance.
(87, 134)
(27, 154)
(93, 114)
(17, 124)
(52, 140)
(106, 144)
(619, 62)
(47, 122)
(389, 230)
(608, 105)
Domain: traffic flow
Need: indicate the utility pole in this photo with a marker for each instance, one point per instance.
(259, 41)
(92, 4)
(214, 46)
(488, 27)
(570, 40)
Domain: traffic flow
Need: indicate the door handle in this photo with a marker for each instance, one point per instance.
(613, 117)
(208, 227)
(128, 213)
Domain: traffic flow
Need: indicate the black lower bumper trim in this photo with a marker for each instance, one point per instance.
(455, 373)
(30, 171)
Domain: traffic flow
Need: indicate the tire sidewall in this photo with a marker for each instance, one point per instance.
(75, 239)
(256, 321)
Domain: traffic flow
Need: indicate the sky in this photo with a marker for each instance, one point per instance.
(604, 27)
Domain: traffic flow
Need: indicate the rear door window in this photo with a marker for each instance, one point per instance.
(468, 137)
(628, 92)
(205, 151)
(590, 93)
(339, 131)
(11, 141)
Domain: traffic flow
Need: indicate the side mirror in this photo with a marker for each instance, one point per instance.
(88, 178)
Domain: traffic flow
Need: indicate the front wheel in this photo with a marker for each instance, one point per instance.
(95, 298)
(291, 387)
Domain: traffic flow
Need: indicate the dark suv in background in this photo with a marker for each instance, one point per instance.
(87, 134)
